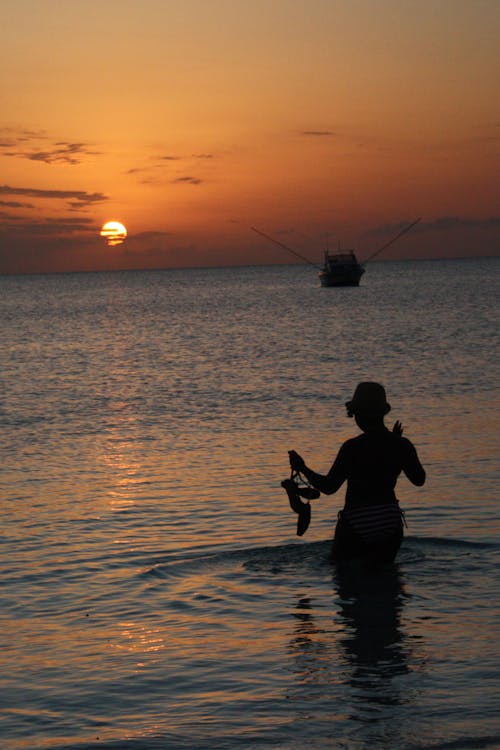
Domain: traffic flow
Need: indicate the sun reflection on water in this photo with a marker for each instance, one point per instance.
(144, 643)
(125, 472)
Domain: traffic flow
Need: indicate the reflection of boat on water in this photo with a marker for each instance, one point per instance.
(341, 269)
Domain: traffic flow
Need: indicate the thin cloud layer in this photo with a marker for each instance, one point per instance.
(51, 227)
(318, 133)
(442, 224)
(151, 235)
(16, 204)
(188, 180)
(160, 168)
(77, 199)
(456, 222)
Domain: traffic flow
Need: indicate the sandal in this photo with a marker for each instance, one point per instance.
(302, 509)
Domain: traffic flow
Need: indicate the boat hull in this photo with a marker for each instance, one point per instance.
(327, 281)
(338, 278)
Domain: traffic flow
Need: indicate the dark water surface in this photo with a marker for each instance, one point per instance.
(154, 594)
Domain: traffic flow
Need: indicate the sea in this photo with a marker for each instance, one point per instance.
(154, 592)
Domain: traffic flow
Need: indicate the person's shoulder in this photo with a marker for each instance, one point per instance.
(351, 443)
(355, 439)
(406, 444)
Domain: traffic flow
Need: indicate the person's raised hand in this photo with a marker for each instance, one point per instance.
(397, 429)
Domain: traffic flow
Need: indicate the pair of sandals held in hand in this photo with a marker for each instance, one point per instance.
(296, 488)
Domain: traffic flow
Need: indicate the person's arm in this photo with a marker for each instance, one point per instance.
(412, 467)
(326, 484)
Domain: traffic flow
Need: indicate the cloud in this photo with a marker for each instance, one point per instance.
(193, 156)
(52, 228)
(151, 235)
(447, 223)
(81, 221)
(46, 251)
(442, 224)
(187, 180)
(152, 169)
(77, 199)
(48, 226)
(160, 168)
(59, 153)
(21, 135)
(318, 133)
(57, 244)
(387, 229)
(7, 217)
(16, 204)
(37, 146)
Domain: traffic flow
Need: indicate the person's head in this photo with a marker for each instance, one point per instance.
(368, 405)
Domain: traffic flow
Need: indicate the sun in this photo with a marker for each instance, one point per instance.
(114, 232)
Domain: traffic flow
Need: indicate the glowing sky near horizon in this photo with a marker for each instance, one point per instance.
(193, 121)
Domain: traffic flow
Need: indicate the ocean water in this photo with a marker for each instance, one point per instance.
(154, 593)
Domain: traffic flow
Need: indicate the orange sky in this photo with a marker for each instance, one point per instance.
(191, 121)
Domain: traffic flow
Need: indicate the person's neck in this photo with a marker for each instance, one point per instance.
(379, 427)
(371, 425)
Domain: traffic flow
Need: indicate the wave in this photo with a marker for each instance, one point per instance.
(303, 555)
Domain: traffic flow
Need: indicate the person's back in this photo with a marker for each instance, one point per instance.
(372, 463)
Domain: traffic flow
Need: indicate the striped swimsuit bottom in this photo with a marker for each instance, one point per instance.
(374, 523)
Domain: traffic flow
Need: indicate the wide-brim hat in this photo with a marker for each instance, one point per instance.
(369, 399)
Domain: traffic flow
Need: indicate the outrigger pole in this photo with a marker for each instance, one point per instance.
(403, 231)
(311, 263)
(288, 249)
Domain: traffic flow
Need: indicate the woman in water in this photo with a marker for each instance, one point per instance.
(370, 525)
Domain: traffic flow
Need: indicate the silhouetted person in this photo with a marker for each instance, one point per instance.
(370, 526)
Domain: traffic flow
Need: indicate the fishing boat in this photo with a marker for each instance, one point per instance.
(341, 269)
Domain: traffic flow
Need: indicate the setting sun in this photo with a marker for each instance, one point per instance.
(114, 232)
